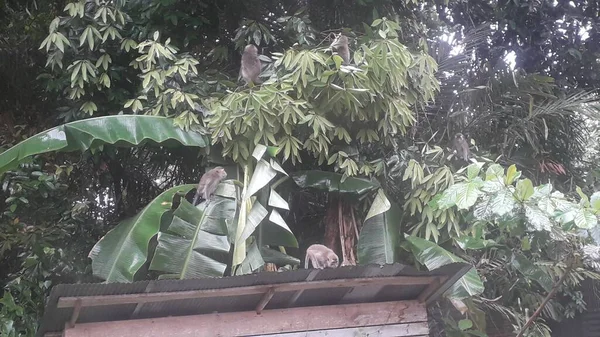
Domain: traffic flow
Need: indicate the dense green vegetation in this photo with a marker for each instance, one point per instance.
(112, 110)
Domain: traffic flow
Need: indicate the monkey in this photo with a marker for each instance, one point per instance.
(341, 45)
(208, 183)
(321, 257)
(461, 146)
(250, 68)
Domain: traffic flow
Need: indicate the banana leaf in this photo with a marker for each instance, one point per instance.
(124, 249)
(277, 257)
(258, 257)
(196, 242)
(252, 261)
(434, 256)
(332, 182)
(379, 237)
(119, 130)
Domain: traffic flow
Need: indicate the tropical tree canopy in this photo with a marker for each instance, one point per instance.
(112, 111)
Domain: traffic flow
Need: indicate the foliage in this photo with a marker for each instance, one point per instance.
(101, 31)
(196, 241)
(428, 177)
(375, 117)
(311, 102)
(41, 243)
(553, 38)
(171, 79)
(434, 256)
(188, 237)
(186, 248)
(93, 29)
(523, 117)
(334, 183)
(523, 238)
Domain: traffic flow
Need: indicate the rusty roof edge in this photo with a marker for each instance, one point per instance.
(60, 289)
(435, 272)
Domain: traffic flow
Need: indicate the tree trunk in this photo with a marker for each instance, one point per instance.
(341, 232)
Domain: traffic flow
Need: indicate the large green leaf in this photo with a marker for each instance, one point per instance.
(531, 271)
(595, 201)
(473, 243)
(256, 258)
(332, 182)
(585, 219)
(524, 189)
(119, 130)
(239, 248)
(124, 249)
(503, 203)
(537, 218)
(379, 237)
(434, 256)
(277, 257)
(495, 172)
(263, 174)
(461, 195)
(195, 244)
(276, 232)
(252, 261)
(380, 204)
(254, 218)
(595, 234)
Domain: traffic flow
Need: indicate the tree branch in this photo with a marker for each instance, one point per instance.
(546, 300)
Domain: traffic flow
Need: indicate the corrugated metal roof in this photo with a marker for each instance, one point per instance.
(55, 318)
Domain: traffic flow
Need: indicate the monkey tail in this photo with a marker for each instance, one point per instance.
(306, 261)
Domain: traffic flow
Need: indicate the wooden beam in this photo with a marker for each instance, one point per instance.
(89, 301)
(75, 314)
(53, 334)
(311, 276)
(393, 330)
(139, 306)
(429, 290)
(358, 295)
(448, 283)
(265, 300)
(268, 322)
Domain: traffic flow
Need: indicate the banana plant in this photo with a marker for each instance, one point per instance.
(260, 224)
(195, 242)
(192, 241)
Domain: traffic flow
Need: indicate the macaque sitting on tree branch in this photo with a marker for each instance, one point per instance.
(340, 44)
(250, 68)
(461, 147)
